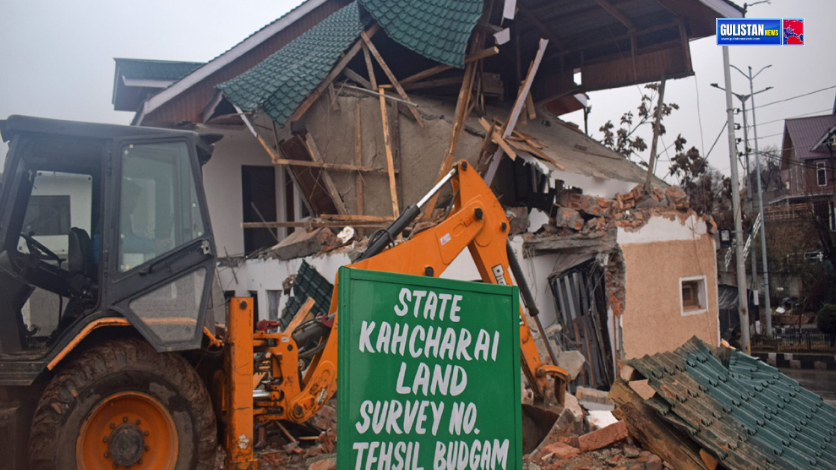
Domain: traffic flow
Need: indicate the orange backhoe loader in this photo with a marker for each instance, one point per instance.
(109, 356)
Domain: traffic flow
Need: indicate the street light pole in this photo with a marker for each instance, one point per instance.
(738, 225)
(766, 295)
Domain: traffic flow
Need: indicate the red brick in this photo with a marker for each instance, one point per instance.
(603, 437)
(560, 451)
(654, 462)
(325, 464)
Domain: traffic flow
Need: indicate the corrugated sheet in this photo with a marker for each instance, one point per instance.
(281, 82)
(436, 29)
(806, 132)
(747, 414)
(308, 283)
(142, 69)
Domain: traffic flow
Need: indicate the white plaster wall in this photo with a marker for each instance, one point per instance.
(262, 275)
(662, 229)
(222, 182)
(591, 185)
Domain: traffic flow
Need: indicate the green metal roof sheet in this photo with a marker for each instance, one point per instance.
(282, 81)
(142, 69)
(436, 29)
(746, 413)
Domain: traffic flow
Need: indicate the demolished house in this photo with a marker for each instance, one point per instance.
(339, 115)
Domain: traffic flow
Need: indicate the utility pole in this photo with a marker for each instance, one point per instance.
(738, 225)
(766, 299)
(749, 191)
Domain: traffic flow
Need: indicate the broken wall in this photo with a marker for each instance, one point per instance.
(418, 151)
(656, 257)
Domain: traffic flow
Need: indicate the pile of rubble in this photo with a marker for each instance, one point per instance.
(579, 213)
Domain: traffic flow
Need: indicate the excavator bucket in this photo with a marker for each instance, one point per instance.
(536, 424)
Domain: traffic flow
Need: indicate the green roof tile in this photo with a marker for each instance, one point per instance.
(747, 413)
(436, 29)
(281, 82)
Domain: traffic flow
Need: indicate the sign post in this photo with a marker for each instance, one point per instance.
(429, 374)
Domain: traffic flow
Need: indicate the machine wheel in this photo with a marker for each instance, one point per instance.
(120, 405)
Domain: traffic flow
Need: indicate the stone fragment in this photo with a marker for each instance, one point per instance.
(603, 437)
(572, 362)
(561, 451)
(325, 464)
(569, 218)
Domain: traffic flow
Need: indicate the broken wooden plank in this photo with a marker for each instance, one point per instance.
(497, 138)
(458, 125)
(357, 78)
(300, 316)
(393, 190)
(358, 160)
(312, 224)
(330, 166)
(356, 218)
(481, 54)
(652, 432)
(515, 112)
(529, 104)
(426, 74)
(390, 98)
(335, 105)
(438, 83)
(369, 67)
(326, 177)
(394, 81)
(335, 72)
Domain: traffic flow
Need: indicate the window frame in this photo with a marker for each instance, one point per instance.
(701, 292)
(821, 173)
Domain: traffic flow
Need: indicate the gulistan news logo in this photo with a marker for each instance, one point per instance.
(760, 31)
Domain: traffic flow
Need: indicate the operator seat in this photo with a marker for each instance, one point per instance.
(80, 253)
(82, 271)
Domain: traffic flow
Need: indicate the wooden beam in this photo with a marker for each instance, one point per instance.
(358, 160)
(532, 18)
(356, 218)
(394, 81)
(529, 104)
(441, 82)
(330, 166)
(683, 37)
(462, 105)
(357, 78)
(326, 177)
(497, 138)
(491, 51)
(515, 112)
(652, 432)
(335, 105)
(335, 72)
(312, 224)
(615, 12)
(426, 74)
(393, 189)
(369, 67)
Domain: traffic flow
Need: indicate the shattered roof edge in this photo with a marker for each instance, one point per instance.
(236, 51)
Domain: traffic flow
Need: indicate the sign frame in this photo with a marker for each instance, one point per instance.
(349, 279)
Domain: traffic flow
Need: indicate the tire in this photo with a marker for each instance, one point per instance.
(122, 403)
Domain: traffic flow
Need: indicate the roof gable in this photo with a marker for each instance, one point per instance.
(281, 82)
(806, 132)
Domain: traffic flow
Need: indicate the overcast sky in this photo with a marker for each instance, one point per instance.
(57, 61)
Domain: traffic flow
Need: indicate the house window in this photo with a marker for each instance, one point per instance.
(693, 295)
(821, 173)
(832, 217)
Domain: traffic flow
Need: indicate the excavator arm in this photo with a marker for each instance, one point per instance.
(477, 223)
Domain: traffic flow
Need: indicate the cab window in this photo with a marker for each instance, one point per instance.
(159, 211)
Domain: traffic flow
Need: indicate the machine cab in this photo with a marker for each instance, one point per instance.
(97, 221)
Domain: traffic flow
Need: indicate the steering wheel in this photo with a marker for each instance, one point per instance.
(38, 249)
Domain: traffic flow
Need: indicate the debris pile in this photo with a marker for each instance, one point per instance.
(589, 215)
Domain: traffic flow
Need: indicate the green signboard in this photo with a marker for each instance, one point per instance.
(429, 374)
